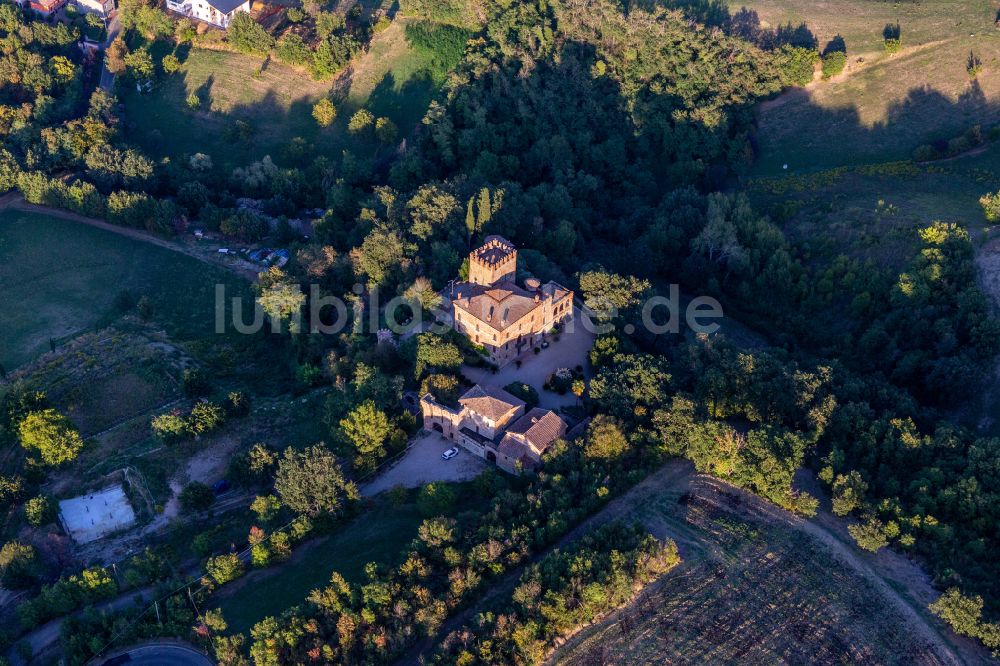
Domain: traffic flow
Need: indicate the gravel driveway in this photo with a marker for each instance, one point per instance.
(422, 464)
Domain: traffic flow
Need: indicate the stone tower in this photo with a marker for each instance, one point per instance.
(494, 261)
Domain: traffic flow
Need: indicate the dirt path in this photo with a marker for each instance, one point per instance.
(14, 201)
(46, 636)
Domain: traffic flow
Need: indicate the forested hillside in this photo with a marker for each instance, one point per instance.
(610, 144)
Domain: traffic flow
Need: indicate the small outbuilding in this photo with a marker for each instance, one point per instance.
(90, 517)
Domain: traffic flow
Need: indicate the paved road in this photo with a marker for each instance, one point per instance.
(107, 78)
(162, 654)
(47, 635)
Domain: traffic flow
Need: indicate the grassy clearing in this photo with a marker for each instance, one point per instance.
(874, 212)
(60, 278)
(378, 535)
(104, 378)
(394, 79)
(860, 23)
(278, 104)
(749, 590)
(391, 79)
(884, 106)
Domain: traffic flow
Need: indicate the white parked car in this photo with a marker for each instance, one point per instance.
(450, 453)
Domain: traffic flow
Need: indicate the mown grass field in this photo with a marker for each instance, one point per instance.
(60, 278)
(883, 106)
(378, 535)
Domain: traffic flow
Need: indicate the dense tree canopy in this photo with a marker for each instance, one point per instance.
(311, 482)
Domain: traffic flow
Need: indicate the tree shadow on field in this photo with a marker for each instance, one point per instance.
(182, 51)
(817, 137)
(835, 45)
(204, 93)
(404, 104)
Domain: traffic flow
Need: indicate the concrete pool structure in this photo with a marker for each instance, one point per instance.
(94, 515)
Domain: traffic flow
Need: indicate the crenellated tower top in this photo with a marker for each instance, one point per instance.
(494, 261)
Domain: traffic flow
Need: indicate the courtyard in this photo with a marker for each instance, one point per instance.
(569, 351)
(423, 464)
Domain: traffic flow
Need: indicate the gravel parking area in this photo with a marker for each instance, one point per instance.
(422, 464)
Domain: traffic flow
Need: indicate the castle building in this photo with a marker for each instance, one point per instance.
(493, 311)
(493, 424)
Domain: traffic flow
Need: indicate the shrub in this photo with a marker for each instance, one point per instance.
(247, 36)
(445, 44)
(194, 382)
(386, 130)
(185, 31)
(797, 64)
(205, 416)
(324, 112)
(193, 101)
(237, 403)
(328, 23)
(39, 511)
(266, 507)
(224, 568)
(560, 381)
(361, 122)
(196, 497)
(170, 63)
(309, 375)
(260, 555)
(19, 565)
(959, 144)
(292, 50)
(436, 499)
(925, 153)
(973, 65)
(332, 55)
(833, 63)
(523, 391)
(892, 38)
(869, 535)
(991, 206)
(169, 427)
(444, 388)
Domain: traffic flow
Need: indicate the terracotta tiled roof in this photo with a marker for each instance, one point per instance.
(504, 303)
(491, 402)
(538, 429)
(499, 306)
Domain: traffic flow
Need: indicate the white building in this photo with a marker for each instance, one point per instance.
(102, 8)
(216, 12)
